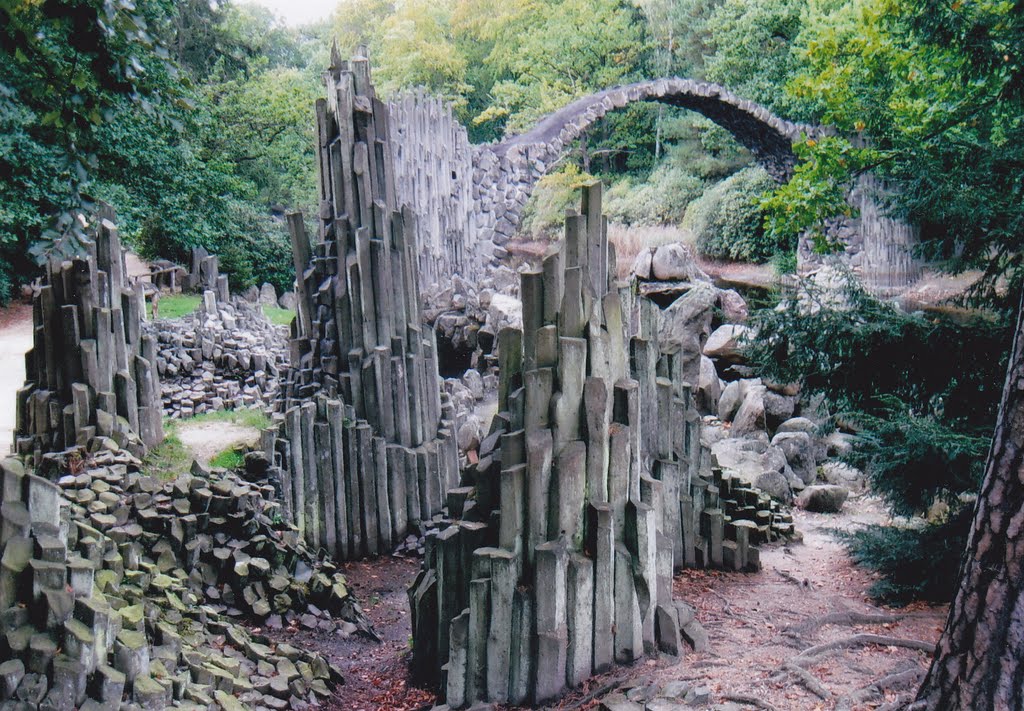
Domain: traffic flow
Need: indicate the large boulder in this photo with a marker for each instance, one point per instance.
(641, 268)
(709, 387)
(268, 296)
(799, 450)
(287, 300)
(750, 418)
(726, 343)
(686, 323)
(733, 306)
(504, 311)
(797, 424)
(842, 474)
(822, 498)
(777, 408)
(676, 262)
(731, 398)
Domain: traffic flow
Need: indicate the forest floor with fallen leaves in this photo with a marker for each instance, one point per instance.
(801, 635)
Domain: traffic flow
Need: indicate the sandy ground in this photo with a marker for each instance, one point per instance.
(208, 439)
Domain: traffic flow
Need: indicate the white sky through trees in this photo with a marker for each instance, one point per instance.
(299, 12)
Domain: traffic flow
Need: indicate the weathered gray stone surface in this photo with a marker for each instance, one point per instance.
(230, 357)
(823, 498)
(82, 382)
(362, 422)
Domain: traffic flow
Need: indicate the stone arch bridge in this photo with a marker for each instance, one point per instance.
(470, 198)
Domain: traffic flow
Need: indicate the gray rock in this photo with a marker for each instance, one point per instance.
(842, 474)
(287, 300)
(685, 324)
(799, 451)
(726, 343)
(823, 498)
(731, 398)
(777, 408)
(676, 262)
(268, 295)
(733, 306)
(797, 424)
(642, 264)
(709, 386)
(751, 416)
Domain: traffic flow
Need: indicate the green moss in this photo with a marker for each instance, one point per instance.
(174, 306)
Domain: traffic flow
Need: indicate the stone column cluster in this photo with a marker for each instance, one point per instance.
(205, 275)
(364, 443)
(434, 169)
(558, 559)
(90, 374)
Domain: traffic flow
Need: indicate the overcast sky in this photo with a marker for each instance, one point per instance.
(298, 12)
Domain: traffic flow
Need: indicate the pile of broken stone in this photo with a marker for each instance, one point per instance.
(223, 356)
(117, 585)
(760, 433)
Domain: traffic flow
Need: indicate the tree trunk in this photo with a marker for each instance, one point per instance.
(979, 662)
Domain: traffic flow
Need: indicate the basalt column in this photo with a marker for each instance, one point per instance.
(556, 563)
(363, 445)
(90, 374)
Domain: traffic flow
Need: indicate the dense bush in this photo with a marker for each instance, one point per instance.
(914, 563)
(661, 200)
(727, 220)
(923, 423)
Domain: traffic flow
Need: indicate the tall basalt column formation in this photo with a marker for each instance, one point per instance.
(364, 444)
(558, 559)
(89, 381)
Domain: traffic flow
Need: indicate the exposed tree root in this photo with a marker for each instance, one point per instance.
(841, 618)
(897, 680)
(750, 701)
(860, 640)
(808, 680)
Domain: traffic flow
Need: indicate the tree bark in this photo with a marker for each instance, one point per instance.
(979, 662)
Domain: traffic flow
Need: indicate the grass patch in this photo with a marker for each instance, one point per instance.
(174, 306)
(249, 418)
(230, 458)
(278, 316)
(170, 458)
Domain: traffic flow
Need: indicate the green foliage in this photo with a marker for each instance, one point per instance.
(751, 43)
(915, 459)
(816, 194)
(914, 563)
(726, 219)
(938, 88)
(544, 213)
(923, 423)
(231, 458)
(661, 200)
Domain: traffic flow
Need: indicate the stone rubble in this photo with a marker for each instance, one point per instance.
(223, 356)
(114, 584)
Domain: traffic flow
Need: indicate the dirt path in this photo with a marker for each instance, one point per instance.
(208, 439)
(15, 341)
(756, 623)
